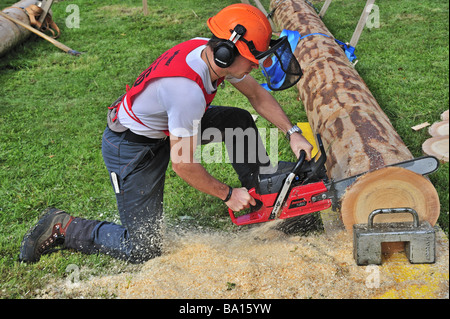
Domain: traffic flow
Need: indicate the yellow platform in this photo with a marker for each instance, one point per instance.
(417, 281)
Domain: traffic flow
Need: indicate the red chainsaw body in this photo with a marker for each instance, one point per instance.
(299, 202)
(304, 188)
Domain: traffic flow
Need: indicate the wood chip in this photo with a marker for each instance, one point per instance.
(420, 126)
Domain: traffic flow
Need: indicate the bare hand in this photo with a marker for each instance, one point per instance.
(298, 142)
(240, 200)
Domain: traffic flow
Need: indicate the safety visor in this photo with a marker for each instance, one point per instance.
(278, 64)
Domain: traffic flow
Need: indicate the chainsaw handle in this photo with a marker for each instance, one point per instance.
(259, 203)
(256, 207)
(255, 215)
(318, 162)
(323, 155)
(301, 160)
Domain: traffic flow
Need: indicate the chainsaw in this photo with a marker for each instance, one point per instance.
(303, 188)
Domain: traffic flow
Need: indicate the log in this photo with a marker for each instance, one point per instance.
(437, 146)
(10, 33)
(397, 186)
(439, 129)
(357, 134)
(58, 44)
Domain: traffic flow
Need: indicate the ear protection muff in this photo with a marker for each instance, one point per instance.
(226, 52)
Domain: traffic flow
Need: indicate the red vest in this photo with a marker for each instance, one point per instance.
(171, 63)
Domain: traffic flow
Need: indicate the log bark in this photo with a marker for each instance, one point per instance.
(10, 33)
(357, 134)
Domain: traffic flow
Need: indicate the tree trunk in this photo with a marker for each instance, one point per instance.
(357, 134)
(10, 33)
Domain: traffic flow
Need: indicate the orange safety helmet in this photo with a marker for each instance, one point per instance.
(258, 29)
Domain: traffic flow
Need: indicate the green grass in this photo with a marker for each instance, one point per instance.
(53, 110)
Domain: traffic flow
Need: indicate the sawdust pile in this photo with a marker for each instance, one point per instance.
(256, 263)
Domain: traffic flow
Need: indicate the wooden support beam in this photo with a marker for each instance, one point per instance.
(324, 8)
(356, 132)
(361, 23)
(45, 5)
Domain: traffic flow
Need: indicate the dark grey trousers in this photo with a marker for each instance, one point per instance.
(137, 173)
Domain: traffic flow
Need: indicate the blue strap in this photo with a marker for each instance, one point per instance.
(348, 49)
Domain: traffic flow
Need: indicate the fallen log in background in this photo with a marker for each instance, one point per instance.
(58, 44)
(10, 33)
(357, 134)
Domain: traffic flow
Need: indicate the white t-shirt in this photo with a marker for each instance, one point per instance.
(176, 104)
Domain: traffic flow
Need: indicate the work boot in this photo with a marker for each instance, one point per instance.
(48, 233)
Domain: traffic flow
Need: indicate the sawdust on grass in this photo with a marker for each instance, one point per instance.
(264, 263)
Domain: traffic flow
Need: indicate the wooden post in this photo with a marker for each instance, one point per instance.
(356, 132)
(10, 33)
(361, 23)
(46, 5)
(324, 8)
(145, 7)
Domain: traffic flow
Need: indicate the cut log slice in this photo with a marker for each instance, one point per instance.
(437, 146)
(390, 187)
(444, 116)
(439, 129)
